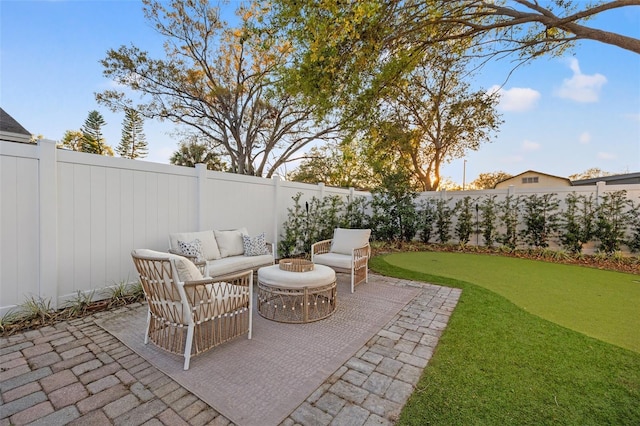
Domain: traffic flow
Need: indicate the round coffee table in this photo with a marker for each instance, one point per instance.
(296, 297)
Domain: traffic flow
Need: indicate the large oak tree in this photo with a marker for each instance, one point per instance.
(220, 82)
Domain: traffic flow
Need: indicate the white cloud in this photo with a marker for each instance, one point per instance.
(516, 98)
(529, 146)
(581, 87)
(606, 156)
(584, 138)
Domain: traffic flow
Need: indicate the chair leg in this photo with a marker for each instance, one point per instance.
(352, 279)
(146, 332)
(250, 305)
(187, 346)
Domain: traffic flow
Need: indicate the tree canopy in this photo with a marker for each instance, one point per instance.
(220, 82)
(93, 141)
(350, 50)
(133, 143)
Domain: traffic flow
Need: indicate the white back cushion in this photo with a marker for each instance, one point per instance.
(345, 240)
(230, 242)
(210, 250)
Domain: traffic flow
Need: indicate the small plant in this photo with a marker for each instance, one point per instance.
(634, 240)
(576, 222)
(355, 216)
(443, 220)
(426, 218)
(394, 216)
(291, 243)
(489, 216)
(509, 211)
(540, 219)
(8, 319)
(78, 304)
(38, 309)
(123, 293)
(464, 225)
(612, 220)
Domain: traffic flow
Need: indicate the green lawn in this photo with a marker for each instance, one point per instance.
(497, 363)
(598, 303)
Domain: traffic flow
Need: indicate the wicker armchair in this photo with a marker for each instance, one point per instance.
(189, 314)
(348, 251)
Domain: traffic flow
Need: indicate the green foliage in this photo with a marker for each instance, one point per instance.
(191, 153)
(73, 140)
(133, 143)
(79, 303)
(293, 240)
(540, 216)
(444, 215)
(355, 216)
(394, 215)
(508, 212)
(576, 222)
(464, 224)
(343, 165)
(93, 141)
(634, 241)
(493, 352)
(223, 83)
(426, 219)
(316, 220)
(612, 219)
(489, 210)
(37, 308)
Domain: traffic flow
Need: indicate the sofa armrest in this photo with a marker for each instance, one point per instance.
(320, 247)
(362, 252)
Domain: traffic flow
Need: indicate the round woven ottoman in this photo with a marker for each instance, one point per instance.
(296, 297)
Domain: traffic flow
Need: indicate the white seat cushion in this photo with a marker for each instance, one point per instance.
(207, 239)
(335, 260)
(345, 240)
(227, 265)
(273, 275)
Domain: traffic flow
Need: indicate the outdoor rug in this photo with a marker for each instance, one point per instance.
(262, 380)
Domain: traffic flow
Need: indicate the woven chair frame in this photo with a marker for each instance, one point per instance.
(205, 314)
(359, 259)
(296, 305)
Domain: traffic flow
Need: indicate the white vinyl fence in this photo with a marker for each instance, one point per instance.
(69, 220)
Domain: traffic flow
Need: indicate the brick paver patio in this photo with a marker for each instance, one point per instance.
(74, 372)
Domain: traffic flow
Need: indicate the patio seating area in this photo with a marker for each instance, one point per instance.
(77, 373)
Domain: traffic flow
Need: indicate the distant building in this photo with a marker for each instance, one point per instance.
(11, 130)
(533, 179)
(624, 179)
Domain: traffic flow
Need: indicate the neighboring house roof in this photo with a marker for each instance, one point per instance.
(623, 179)
(11, 130)
(536, 172)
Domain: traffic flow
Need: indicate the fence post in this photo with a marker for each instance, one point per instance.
(600, 187)
(201, 175)
(276, 204)
(48, 217)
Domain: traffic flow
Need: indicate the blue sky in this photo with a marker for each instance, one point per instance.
(562, 115)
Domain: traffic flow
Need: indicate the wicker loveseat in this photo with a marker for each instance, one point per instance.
(223, 252)
(188, 313)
